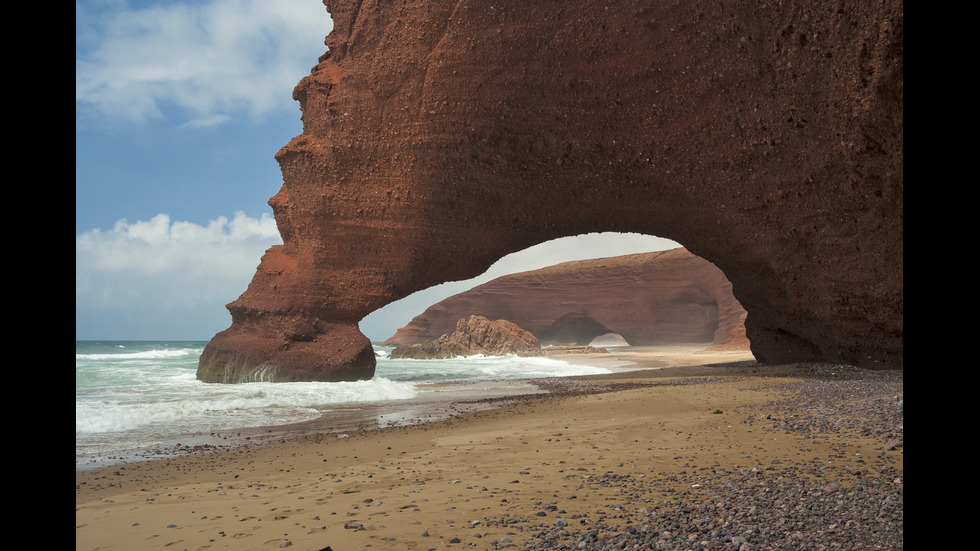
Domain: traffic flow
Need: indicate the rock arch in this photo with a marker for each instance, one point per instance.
(650, 298)
(439, 136)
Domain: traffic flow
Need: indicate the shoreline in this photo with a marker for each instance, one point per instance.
(434, 401)
(583, 463)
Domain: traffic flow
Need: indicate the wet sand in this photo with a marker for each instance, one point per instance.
(707, 451)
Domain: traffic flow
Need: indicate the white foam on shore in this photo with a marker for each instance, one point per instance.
(144, 355)
(480, 367)
(131, 396)
(195, 406)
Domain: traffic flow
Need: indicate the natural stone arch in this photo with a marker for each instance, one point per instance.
(440, 136)
(665, 296)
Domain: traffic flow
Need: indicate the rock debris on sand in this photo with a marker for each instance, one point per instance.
(777, 506)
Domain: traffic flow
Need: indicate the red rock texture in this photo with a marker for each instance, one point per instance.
(474, 335)
(439, 136)
(651, 298)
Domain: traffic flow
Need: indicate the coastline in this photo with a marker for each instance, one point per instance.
(432, 401)
(435, 401)
(683, 442)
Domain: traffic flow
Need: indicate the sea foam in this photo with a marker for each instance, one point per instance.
(142, 355)
(130, 394)
(196, 406)
(480, 367)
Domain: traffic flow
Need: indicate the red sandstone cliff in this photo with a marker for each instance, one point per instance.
(441, 135)
(650, 298)
(474, 335)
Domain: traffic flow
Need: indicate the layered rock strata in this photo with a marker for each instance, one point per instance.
(662, 297)
(474, 335)
(439, 136)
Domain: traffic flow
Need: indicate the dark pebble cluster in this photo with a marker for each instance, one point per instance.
(785, 505)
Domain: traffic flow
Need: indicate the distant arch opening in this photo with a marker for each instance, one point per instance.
(630, 289)
(384, 322)
(609, 340)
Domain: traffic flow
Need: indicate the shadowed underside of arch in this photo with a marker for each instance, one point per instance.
(439, 136)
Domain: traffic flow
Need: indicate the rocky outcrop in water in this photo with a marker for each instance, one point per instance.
(662, 297)
(474, 335)
(439, 136)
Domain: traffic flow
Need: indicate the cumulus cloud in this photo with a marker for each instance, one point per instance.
(209, 59)
(155, 269)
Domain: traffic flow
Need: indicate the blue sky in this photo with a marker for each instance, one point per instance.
(179, 110)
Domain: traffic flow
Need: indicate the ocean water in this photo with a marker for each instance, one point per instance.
(141, 399)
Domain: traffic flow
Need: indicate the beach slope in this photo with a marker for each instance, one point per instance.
(730, 456)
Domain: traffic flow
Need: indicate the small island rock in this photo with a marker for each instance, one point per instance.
(475, 335)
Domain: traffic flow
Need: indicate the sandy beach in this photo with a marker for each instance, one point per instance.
(706, 451)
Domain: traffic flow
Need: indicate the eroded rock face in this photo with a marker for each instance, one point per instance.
(474, 335)
(662, 297)
(439, 136)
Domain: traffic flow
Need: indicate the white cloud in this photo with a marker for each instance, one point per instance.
(158, 268)
(206, 121)
(209, 58)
